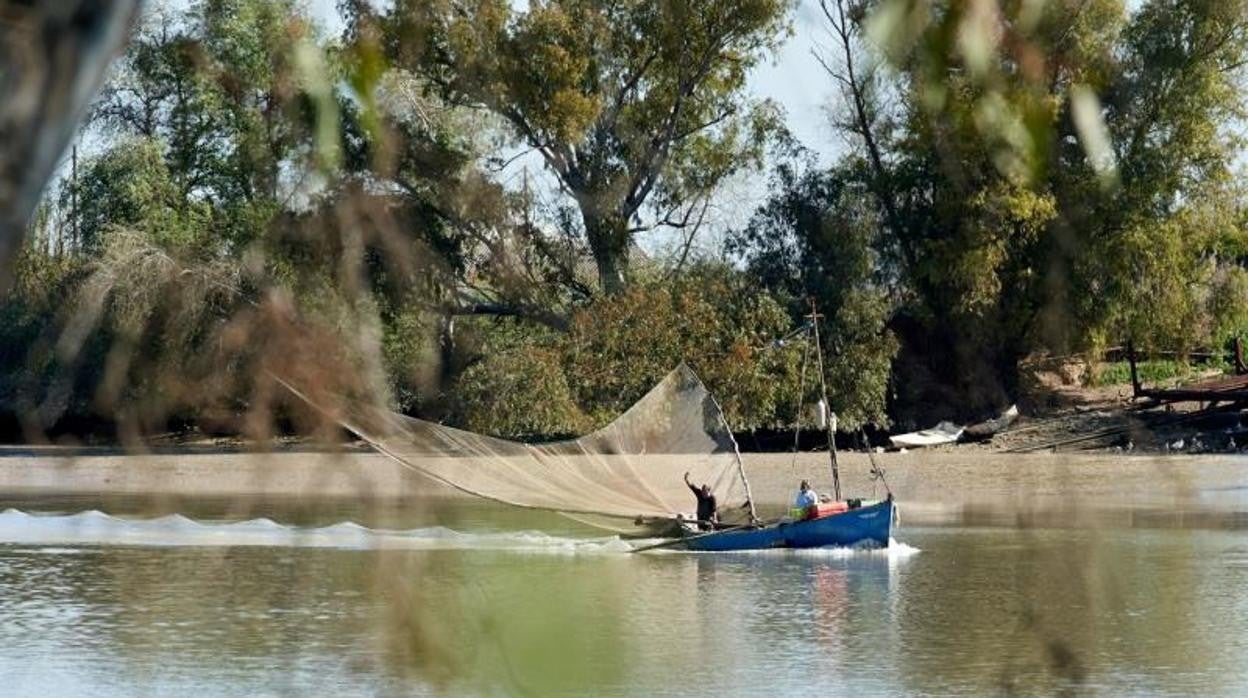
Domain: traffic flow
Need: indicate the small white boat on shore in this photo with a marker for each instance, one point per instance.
(943, 433)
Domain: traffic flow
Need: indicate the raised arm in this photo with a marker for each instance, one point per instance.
(688, 484)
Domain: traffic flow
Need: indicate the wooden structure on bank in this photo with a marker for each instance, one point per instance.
(1233, 389)
(1218, 396)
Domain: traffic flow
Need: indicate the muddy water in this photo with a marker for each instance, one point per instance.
(1035, 582)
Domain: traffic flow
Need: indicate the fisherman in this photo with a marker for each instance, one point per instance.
(708, 511)
(806, 498)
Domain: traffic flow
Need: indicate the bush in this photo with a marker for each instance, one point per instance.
(531, 382)
(713, 319)
(1150, 372)
(518, 394)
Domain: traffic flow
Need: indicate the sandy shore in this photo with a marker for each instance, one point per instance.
(932, 486)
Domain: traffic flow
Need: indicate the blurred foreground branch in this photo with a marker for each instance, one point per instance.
(52, 59)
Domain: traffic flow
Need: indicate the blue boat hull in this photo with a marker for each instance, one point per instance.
(868, 526)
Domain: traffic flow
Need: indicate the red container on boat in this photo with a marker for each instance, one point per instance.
(818, 511)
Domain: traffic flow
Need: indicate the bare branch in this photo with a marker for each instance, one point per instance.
(655, 160)
(842, 28)
(468, 306)
(508, 162)
(693, 232)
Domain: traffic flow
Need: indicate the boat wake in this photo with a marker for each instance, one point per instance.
(91, 528)
(896, 550)
(53, 532)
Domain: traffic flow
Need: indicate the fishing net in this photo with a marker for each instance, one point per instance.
(633, 467)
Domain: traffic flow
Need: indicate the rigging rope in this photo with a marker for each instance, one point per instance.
(801, 390)
(877, 473)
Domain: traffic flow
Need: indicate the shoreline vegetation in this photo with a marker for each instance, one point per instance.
(1067, 405)
(516, 219)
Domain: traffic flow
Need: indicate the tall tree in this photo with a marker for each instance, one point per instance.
(637, 107)
(207, 127)
(219, 86)
(1048, 175)
(1157, 237)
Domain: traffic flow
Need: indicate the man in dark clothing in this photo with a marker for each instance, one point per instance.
(708, 514)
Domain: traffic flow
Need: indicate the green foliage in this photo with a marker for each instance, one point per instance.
(234, 97)
(1150, 251)
(618, 347)
(631, 104)
(1229, 305)
(130, 186)
(816, 238)
(409, 346)
(1025, 177)
(40, 283)
(1047, 177)
(519, 393)
(714, 320)
(207, 125)
(1151, 372)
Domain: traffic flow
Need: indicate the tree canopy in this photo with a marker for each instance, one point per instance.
(1018, 179)
(1049, 177)
(638, 108)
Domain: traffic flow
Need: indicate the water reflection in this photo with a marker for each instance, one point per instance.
(979, 610)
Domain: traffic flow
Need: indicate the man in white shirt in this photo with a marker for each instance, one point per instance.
(806, 497)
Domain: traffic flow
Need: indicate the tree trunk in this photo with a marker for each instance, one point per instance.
(446, 350)
(608, 242)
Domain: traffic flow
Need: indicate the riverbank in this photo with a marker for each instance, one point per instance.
(934, 486)
(1123, 428)
(1063, 410)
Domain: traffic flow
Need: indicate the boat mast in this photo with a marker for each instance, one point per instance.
(823, 389)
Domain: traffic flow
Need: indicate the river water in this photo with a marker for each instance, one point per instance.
(117, 597)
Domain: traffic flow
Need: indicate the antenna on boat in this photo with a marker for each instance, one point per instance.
(830, 420)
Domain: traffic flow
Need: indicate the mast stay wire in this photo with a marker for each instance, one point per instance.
(877, 473)
(801, 394)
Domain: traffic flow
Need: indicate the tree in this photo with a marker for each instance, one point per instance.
(1156, 239)
(953, 153)
(1047, 177)
(210, 128)
(527, 380)
(817, 237)
(222, 87)
(130, 185)
(715, 319)
(638, 108)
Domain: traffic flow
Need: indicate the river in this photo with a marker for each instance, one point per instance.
(118, 596)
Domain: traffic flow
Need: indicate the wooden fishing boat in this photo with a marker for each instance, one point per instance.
(835, 523)
(868, 526)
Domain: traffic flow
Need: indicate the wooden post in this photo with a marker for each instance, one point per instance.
(823, 389)
(1135, 377)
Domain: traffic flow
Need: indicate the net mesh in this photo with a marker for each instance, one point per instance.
(633, 467)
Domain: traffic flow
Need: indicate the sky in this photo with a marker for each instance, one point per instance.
(796, 81)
